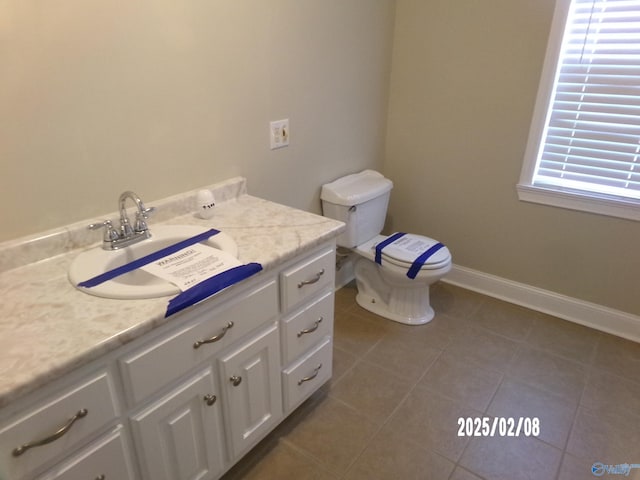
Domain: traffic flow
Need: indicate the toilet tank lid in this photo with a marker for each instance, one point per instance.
(356, 188)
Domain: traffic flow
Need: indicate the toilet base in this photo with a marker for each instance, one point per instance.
(369, 303)
(390, 294)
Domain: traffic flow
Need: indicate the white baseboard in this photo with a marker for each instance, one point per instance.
(592, 315)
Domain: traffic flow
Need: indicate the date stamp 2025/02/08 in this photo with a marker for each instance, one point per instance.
(498, 427)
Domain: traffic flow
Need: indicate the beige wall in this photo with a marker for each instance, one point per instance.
(463, 85)
(161, 97)
(164, 96)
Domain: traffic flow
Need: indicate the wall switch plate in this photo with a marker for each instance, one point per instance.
(279, 133)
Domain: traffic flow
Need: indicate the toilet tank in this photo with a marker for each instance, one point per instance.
(359, 200)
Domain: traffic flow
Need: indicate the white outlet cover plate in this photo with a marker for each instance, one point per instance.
(279, 133)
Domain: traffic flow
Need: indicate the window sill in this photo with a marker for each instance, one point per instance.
(601, 205)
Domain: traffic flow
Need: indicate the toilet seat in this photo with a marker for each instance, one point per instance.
(403, 252)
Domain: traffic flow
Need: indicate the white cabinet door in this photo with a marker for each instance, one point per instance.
(180, 436)
(253, 397)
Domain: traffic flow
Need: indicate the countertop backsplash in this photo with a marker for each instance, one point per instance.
(45, 245)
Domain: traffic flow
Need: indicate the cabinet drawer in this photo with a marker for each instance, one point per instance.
(305, 376)
(82, 409)
(307, 327)
(106, 458)
(307, 278)
(166, 359)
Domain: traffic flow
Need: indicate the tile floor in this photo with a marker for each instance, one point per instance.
(391, 410)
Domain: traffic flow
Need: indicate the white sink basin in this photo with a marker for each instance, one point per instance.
(138, 283)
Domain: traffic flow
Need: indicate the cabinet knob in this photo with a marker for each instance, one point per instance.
(235, 380)
(210, 399)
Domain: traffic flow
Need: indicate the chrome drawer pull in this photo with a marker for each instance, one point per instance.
(210, 399)
(310, 330)
(313, 280)
(101, 477)
(215, 338)
(51, 438)
(312, 376)
(235, 380)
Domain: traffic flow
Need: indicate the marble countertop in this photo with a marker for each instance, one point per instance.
(48, 327)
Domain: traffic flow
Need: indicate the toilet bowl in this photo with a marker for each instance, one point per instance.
(393, 273)
(386, 289)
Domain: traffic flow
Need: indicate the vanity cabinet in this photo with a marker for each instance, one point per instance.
(188, 399)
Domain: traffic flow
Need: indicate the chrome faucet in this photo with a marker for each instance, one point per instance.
(126, 235)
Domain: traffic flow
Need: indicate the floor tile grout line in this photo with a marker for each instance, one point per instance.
(580, 406)
(604, 371)
(502, 379)
(401, 377)
(368, 441)
(355, 362)
(565, 452)
(386, 421)
(362, 359)
(324, 466)
(415, 384)
(525, 341)
(309, 456)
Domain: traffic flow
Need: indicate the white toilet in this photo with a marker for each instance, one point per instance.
(393, 273)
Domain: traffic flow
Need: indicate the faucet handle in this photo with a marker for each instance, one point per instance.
(146, 212)
(140, 224)
(109, 233)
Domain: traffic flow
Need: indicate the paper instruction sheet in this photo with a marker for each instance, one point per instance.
(407, 248)
(192, 265)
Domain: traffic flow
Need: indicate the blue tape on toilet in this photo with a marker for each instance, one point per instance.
(152, 257)
(384, 243)
(210, 286)
(420, 261)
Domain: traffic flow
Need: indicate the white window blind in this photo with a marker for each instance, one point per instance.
(591, 139)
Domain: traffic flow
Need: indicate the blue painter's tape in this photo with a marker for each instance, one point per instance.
(384, 243)
(152, 257)
(210, 286)
(420, 261)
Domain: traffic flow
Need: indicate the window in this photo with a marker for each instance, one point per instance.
(584, 144)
